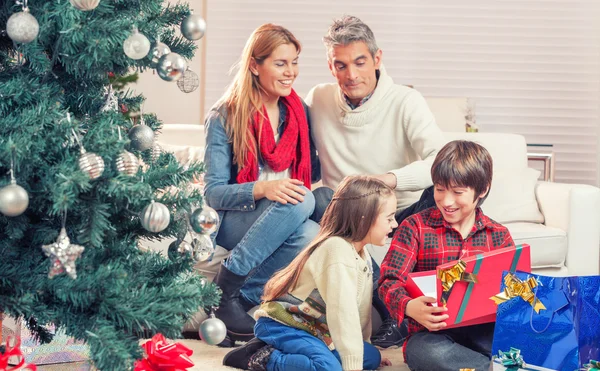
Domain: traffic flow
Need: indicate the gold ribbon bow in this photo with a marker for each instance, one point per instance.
(451, 275)
(514, 287)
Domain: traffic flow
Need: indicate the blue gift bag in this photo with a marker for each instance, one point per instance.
(553, 321)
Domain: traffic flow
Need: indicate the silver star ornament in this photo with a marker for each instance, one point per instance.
(63, 255)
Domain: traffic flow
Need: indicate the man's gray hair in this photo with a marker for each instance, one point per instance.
(349, 29)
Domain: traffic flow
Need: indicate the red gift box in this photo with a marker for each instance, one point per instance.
(475, 280)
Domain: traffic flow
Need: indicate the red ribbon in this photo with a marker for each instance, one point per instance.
(164, 356)
(14, 351)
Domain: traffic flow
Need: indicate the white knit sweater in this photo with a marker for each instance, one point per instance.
(393, 132)
(344, 280)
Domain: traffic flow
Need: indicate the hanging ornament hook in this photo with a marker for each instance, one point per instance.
(12, 166)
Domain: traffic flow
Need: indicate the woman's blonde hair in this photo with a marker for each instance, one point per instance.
(243, 98)
(354, 208)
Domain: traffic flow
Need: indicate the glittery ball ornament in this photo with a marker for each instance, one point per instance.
(141, 137)
(22, 27)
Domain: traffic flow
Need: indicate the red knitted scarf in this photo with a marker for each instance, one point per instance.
(292, 150)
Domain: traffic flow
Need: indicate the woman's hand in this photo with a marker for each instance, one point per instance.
(430, 317)
(282, 190)
(385, 362)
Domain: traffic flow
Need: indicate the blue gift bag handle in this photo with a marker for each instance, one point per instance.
(566, 281)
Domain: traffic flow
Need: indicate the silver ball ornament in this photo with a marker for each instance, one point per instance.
(22, 27)
(142, 137)
(127, 163)
(155, 217)
(156, 151)
(158, 51)
(213, 331)
(136, 46)
(85, 5)
(171, 67)
(193, 27)
(91, 164)
(202, 247)
(13, 200)
(188, 82)
(178, 249)
(204, 220)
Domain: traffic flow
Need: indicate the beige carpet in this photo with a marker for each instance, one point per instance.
(210, 358)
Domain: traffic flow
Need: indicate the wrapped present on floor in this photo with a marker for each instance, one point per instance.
(553, 322)
(62, 348)
(465, 286)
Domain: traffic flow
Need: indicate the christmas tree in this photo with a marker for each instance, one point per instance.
(81, 184)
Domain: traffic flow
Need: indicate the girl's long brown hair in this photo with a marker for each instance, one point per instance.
(243, 98)
(350, 215)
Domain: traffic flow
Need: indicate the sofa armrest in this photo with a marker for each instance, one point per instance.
(574, 208)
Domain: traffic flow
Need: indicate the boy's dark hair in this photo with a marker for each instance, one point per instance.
(462, 163)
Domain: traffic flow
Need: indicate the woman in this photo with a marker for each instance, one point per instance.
(260, 163)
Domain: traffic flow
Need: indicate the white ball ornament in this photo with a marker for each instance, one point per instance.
(22, 27)
(213, 331)
(136, 46)
(85, 5)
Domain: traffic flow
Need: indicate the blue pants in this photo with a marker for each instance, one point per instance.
(266, 239)
(297, 350)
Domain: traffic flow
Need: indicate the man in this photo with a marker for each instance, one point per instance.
(366, 124)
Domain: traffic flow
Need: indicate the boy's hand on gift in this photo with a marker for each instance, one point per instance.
(385, 362)
(432, 318)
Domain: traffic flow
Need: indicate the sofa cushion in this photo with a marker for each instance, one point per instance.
(512, 196)
(548, 244)
(185, 155)
(450, 113)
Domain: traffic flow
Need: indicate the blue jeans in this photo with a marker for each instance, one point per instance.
(297, 350)
(451, 350)
(265, 240)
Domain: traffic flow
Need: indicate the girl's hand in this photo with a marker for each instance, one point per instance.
(430, 317)
(282, 190)
(385, 362)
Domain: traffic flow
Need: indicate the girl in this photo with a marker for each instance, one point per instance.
(316, 313)
(260, 162)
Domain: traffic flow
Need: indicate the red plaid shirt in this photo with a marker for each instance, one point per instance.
(421, 243)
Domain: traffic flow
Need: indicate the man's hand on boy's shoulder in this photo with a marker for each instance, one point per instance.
(429, 316)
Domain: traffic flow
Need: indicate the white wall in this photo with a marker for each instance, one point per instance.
(165, 99)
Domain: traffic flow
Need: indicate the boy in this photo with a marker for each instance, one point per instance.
(455, 228)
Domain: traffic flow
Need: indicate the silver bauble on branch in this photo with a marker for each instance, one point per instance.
(204, 220)
(193, 27)
(179, 249)
(188, 82)
(158, 51)
(202, 247)
(22, 27)
(127, 163)
(137, 45)
(13, 200)
(155, 217)
(212, 330)
(91, 164)
(141, 137)
(85, 5)
(171, 67)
